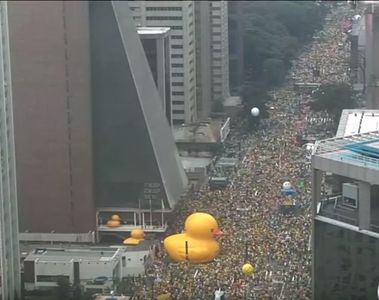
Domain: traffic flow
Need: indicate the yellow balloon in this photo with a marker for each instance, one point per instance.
(247, 269)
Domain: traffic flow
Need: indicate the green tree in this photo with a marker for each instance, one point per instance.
(275, 30)
(273, 71)
(333, 98)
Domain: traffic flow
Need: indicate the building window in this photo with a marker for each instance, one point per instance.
(178, 102)
(171, 18)
(177, 74)
(178, 111)
(177, 27)
(176, 46)
(163, 8)
(178, 122)
(176, 55)
(177, 65)
(177, 84)
(178, 93)
(177, 37)
(51, 278)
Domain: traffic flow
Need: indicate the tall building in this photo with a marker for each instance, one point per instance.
(156, 43)
(372, 49)
(236, 36)
(52, 112)
(90, 132)
(345, 235)
(10, 271)
(138, 174)
(212, 55)
(219, 51)
(179, 16)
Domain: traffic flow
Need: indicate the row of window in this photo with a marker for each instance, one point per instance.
(177, 102)
(177, 65)
(178, 111)
(172, 18)
(174, 8)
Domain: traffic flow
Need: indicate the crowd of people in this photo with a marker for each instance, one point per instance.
(277, 244)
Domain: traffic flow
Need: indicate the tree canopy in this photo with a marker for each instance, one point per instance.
(333, 98)
(275, 30)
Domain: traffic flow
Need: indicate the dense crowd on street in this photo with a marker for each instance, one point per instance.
(247, 211)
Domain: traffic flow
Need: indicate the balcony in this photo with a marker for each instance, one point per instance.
(334, 208)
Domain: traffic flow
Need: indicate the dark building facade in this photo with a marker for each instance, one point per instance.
(156, 44)
(345, 232)
(345, 263)
(50, 62)
(236, 50)
(84, 136)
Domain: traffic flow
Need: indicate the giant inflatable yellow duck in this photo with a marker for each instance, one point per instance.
(196, 244)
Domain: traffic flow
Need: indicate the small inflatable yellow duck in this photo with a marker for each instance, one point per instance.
(115, 221)
(136, 236)
(197, 243)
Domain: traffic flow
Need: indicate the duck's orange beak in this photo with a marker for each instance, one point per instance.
(217, 232)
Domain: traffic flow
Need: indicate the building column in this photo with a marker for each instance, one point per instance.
(316, 188)
(364, 205)
(161, 71)
(316, 198)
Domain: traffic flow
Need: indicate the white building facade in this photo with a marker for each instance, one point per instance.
(179, 16)
(9, 251)
(212, 55)
(219, 51)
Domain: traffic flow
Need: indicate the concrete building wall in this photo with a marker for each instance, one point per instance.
(372, 50)
(345, 263)
(236, 55)
(203, 58)
(10, 279)
(52, 112)
(180, 17)
(219, 51)
(212, 54)
(134, 146)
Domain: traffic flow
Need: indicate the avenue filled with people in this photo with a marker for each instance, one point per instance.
(255, 230)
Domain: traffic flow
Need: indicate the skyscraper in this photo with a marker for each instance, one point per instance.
(212, 55)
(89, 129)
(179, 16)
(52, 110)
(236, 54)
(9, 245)
(138, 174)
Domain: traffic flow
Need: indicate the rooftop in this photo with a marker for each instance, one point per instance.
(89, 255)
(355, 156)
(203, 132)
(354, 121)
(153, 30)
(195, 162)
